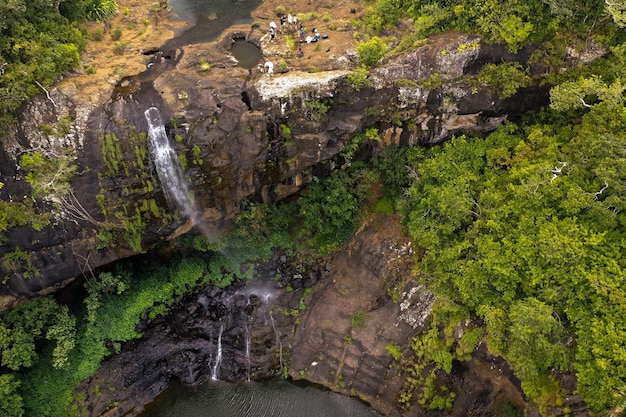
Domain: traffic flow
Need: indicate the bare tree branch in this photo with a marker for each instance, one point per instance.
(46, 91)
(599, 193)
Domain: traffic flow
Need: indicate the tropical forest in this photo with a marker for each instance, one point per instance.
(432, 189)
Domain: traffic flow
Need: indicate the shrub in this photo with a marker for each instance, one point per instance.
(359, 320)
(394, 350)
(291, 42)
(97, 34)
(371, 52)
(328, 211)
(505, 78)
(384, 206)
(116, 35)
(100, 9)
(434, 81)
(316, 109)
(285, 131)
(205, 65)
(49, 177)
(120, 48)
(359, 78)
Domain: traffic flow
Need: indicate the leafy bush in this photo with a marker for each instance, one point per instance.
(100, 9)
(394, 350)
(371, 51)
(116, 35)
(328, 209)
(120, 48)
(97, 34)
(280, 10)
(205, 65)
(434, 81)
(49, 177)
(11, 403)
(505, 78)
(285, 131)
(359, 320)
(359, 78)
(20, 214)
(316, 109)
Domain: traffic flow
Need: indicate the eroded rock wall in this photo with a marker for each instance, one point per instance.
(329, 322)
(240, 135)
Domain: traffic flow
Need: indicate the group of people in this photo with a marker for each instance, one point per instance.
(291, 23)
(291, 20)
(311, 38)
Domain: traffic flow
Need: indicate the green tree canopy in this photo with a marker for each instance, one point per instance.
(526, 228)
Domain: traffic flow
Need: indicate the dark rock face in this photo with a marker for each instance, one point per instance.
(342, 337)
(235, 334)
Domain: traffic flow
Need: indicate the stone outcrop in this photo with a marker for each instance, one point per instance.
(239, 334)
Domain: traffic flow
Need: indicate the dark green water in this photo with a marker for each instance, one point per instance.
(254, 399)
(246, 54)
(209, 18)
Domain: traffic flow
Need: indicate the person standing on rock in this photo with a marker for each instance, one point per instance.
(272, 31)
(270, 67)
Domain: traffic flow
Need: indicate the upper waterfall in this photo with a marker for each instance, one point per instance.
(167, 164)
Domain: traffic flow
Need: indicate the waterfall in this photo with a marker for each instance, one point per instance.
(248, 365)
(167, 165)
(211, 350)
(276, 332)
(215, 372)
(248, 360)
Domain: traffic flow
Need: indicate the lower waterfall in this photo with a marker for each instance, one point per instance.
(215, 372)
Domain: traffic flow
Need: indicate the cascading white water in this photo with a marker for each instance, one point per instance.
(248, 365)
(276, 332)
(215, 372)
(167, 165)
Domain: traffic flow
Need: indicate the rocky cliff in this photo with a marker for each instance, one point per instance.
(244, 135)
(329, 322)
(239, 135)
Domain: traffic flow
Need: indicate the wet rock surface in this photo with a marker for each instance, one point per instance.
(235, 334)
